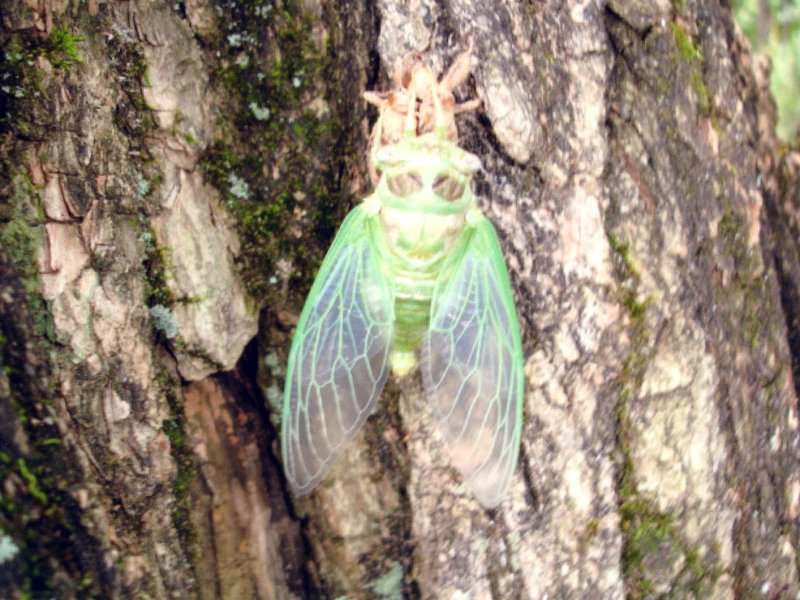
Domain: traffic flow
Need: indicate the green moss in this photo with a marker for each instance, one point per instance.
(623, 250)
(136, 120)
(278, 168)
(22, 235)
(628, 289)
(663, 86)
(158, 295)
(37, 509)
(177, 122)
(704, 97)
(31, 481)
(61, 48)
(747, 291)
(173, 426)
(639, 530)
(733, 233)
(702, 574)
(131, 114)
(692, 53)
(22, 80)
(186, 471)
(648, 533)
(652, 537)
(686, 46)
(645, 527)
(589, 534)
(156, 265)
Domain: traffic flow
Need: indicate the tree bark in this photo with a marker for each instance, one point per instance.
(172, 174)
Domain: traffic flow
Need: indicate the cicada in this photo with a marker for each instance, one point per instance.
(416, 269)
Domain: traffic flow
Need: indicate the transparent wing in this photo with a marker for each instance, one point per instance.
(472, 364)
(339, 358)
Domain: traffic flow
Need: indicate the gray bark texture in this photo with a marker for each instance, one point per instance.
(171, 174)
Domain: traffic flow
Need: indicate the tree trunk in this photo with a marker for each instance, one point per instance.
(172, 174)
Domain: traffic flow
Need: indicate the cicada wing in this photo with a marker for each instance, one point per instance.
(338, 362)
(472, 364)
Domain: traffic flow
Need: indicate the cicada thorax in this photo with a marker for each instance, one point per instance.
(424, 193)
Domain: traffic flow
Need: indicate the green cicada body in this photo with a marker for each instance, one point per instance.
(415, 267)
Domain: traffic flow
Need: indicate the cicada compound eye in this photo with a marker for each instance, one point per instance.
(404, 184)
(448, 187)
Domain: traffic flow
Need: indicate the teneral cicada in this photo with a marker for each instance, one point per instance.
(415, 267)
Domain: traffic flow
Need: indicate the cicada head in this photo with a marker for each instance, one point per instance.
(426, 173)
